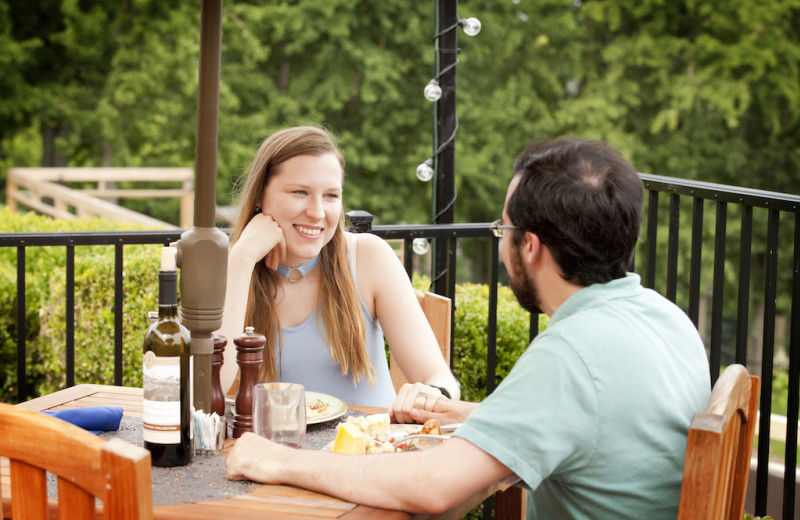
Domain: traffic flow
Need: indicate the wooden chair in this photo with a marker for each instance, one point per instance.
(437, 309)
(718, 448)
(86, 467)
(509, 504)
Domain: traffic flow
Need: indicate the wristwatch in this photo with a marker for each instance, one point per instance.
(443, 390)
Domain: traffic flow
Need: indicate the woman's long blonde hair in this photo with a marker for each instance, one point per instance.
(339, 306)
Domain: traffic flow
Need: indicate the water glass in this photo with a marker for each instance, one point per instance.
(279, 412)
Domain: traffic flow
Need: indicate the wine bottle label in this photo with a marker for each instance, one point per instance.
(161, 407)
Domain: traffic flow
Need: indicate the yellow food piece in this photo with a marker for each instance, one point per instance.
(378, 424)
(350, 439)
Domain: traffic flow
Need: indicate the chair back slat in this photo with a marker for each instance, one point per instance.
(437, 310)
(717, 461)
(73, 502)
(28, 491)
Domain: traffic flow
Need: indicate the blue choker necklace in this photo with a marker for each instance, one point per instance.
(303, 269)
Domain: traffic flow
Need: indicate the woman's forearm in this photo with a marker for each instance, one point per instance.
(240, 272)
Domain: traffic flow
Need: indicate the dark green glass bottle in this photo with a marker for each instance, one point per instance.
(167, 405)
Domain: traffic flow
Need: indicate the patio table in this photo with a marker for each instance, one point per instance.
(212, 496)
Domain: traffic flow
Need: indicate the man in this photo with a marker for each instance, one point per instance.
(594, 416)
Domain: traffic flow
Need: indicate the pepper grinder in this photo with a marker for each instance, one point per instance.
(217, 395)
(249, 357)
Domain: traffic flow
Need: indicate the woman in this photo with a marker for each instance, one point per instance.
(324, 298)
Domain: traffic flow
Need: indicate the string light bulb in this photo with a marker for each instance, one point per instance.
(425, 171)
(420, 246)
(471, 26)
(432, 92)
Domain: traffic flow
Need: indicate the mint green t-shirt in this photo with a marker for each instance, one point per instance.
(595, 414)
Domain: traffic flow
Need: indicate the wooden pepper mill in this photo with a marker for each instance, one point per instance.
(249, 357)
(217, 394)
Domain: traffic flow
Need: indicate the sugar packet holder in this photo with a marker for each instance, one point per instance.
(209, 432)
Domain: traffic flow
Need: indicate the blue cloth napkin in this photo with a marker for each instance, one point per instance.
(93, 418)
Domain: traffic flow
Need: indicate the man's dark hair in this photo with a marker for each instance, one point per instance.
(584, 201)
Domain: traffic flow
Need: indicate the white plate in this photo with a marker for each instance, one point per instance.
(336, 407)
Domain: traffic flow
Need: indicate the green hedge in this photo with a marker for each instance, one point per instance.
(45, 280)
(470, 336)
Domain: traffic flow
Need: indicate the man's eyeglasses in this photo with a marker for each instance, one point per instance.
(498, 229)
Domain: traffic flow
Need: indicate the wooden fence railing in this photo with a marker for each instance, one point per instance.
(42, 190)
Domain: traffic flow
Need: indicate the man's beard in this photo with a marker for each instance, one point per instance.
(522, 285)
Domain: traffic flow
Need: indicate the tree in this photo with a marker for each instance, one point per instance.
(690, 89)
(357, 67)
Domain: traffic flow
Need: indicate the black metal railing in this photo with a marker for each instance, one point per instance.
(117, 239)
(762, 264)
(764, 256)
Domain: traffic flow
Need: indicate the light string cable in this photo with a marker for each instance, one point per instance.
(441, 72)
(450, 139)
(452, 136)
(439, 150)
(450, 204)
(433, 92)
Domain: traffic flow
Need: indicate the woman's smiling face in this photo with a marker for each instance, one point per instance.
(305, 199)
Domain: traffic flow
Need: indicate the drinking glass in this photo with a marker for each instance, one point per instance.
(279, 412)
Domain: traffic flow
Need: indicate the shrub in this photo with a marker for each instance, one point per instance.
(45, 280)
(471, 336)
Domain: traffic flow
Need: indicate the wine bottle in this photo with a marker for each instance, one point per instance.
(167, 404)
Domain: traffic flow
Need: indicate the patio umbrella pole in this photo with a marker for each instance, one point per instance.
(203, 249)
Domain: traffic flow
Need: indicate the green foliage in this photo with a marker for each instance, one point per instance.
(780, 392)
(689, 89)
(358, 67)
(45, 280)
(471, 336)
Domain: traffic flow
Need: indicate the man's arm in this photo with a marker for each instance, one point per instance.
(430, 481)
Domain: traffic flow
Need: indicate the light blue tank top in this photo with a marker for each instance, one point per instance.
(306, 359)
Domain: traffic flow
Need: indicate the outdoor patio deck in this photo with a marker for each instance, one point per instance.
(737, 315)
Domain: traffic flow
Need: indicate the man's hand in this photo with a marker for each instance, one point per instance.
(447, 411)
(254, 458)
(402, 481)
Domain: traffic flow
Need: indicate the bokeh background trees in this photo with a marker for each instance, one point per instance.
(705, 90)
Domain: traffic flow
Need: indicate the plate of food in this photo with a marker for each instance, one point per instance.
(322, 408)
(373, 434)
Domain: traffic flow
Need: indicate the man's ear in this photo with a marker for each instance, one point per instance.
(531, 248)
